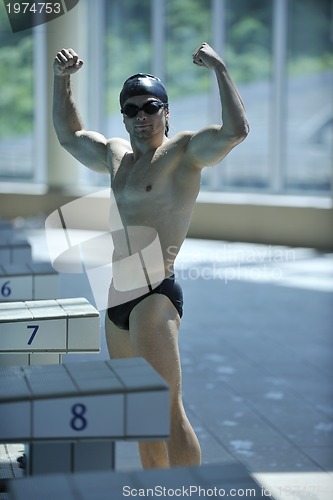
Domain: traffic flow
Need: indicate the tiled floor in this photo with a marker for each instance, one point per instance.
(257, 358)
(257, 348)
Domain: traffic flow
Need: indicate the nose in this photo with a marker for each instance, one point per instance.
(141, 115)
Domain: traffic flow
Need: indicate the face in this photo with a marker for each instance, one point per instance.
(144, 125)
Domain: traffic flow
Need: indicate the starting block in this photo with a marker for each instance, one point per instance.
(50, 327)
(115, 399)
(29, 358)
(5, 225)
(30, 281)
(14, 248)
(38, 333)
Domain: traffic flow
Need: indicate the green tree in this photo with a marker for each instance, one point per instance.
(16, 77)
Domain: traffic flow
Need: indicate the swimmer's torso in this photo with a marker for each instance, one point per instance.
(157, 191)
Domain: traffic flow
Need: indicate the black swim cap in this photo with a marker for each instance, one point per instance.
(142, 84)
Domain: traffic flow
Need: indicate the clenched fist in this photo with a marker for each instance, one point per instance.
(207, 57)
(66, 62)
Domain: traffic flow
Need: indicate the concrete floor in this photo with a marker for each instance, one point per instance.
(256, 345)
(257, 350)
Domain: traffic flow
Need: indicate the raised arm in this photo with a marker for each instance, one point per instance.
(210, 145)
(89, 148)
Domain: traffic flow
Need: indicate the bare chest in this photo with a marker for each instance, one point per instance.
(138, 179)
(145, 187)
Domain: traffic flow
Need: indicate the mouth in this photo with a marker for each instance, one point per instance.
(143, 125)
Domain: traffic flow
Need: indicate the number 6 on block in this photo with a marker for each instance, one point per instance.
(6, 289)
(34, 329)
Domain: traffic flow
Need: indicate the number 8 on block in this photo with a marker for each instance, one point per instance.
(85, 416)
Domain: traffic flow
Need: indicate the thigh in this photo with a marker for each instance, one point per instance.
(117, 340)
(154, 325)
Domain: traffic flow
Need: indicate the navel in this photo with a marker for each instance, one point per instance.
(148, 188)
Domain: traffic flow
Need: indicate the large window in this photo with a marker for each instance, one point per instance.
(128, 46)
(279, 53)
(187, 24)
(309, 96)
(247, 50)
(16, 102)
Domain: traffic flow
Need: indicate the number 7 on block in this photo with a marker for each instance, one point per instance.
(34, 329)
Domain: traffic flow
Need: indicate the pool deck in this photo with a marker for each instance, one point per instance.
(256, 346)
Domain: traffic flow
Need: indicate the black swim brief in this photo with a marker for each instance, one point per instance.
(119, 314)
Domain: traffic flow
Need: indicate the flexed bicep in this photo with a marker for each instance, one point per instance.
(209, 146)
(89, 148)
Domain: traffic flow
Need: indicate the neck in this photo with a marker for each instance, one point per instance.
(141, 147)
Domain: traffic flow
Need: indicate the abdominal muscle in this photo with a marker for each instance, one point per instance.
(143, 257)
(150, 238)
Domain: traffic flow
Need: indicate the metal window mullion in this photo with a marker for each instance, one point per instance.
(96, 55)
(158, 28)
(218, 42)
(40, 106)
(332, 147)
(279, 104)
(217, 175)
(92, 88)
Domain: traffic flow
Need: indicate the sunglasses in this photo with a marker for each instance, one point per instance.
(150, 107)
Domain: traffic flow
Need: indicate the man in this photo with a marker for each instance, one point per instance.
(155, 182)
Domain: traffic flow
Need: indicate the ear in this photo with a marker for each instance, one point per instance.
(125, 124)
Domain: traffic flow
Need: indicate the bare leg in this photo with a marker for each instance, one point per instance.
(119, 346)
(117, 340)
(154, 325)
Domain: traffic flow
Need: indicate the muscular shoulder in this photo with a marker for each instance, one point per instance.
(172, 151)
(185, 175)
(117, 146)
(181, 139)
(182, 143)
(187, 178)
